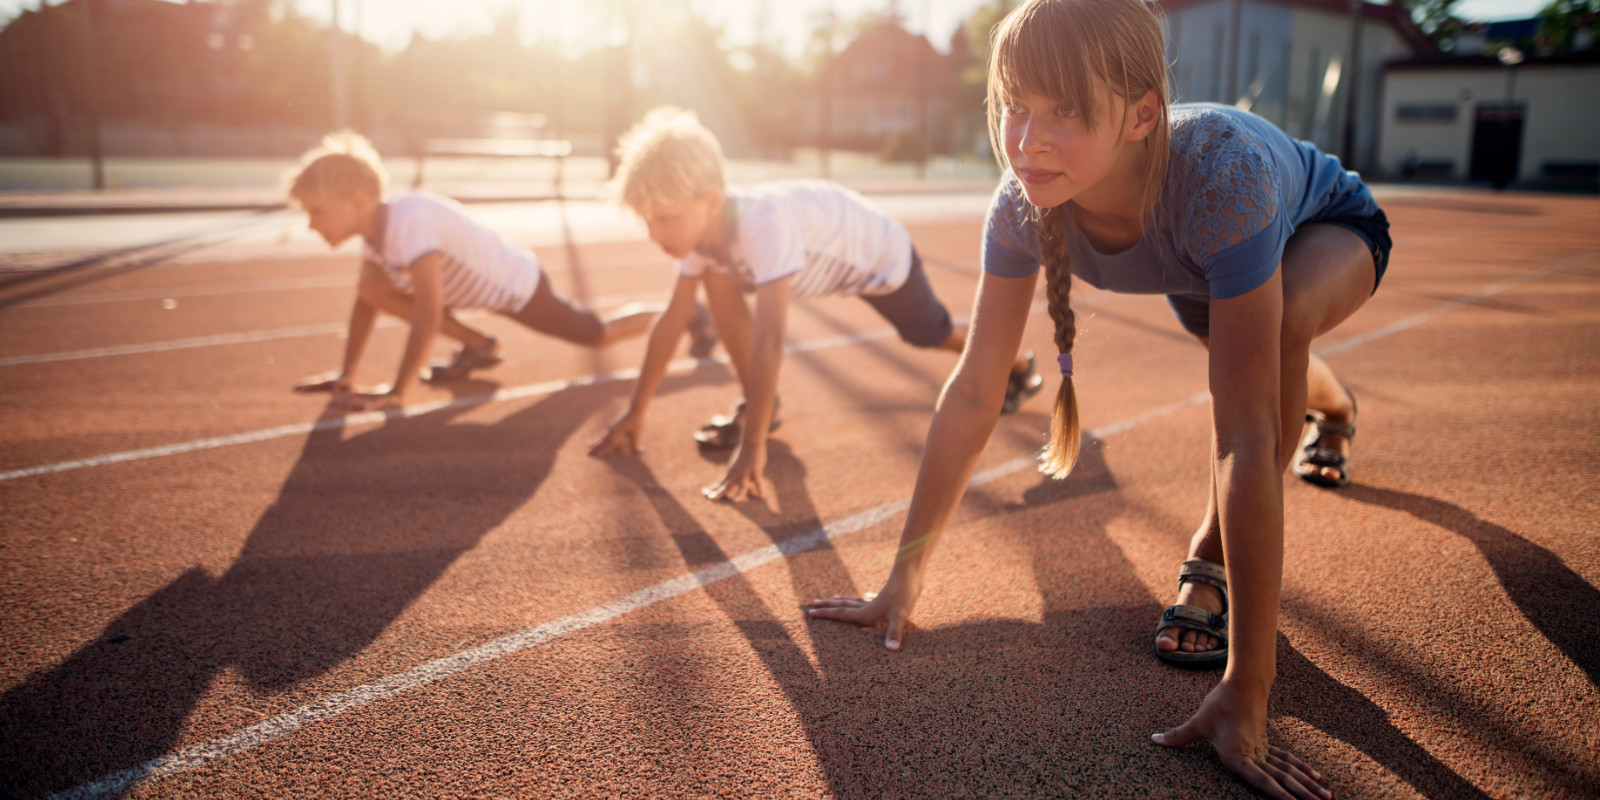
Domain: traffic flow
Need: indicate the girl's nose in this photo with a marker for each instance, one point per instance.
(1033, 138)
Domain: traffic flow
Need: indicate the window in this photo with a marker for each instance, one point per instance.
(1426, 112)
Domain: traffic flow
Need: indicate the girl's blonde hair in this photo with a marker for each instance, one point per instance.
(668, 157)
(1057, 49)
(343, 164)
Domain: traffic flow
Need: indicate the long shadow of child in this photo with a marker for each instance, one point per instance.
(361, 528)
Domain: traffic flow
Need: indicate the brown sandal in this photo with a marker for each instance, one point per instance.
(1313, 458)
(723, 431)
(1195, 619)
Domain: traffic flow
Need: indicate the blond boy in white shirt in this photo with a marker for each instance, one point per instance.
(423, 258)
(776, 240)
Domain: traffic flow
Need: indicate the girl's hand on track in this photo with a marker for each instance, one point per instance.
(892, 605)
(1234, 720)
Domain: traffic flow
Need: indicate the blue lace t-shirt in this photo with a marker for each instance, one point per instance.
(1236, 188)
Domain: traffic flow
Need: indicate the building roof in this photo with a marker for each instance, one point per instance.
(1483, 62)
(1394, 15)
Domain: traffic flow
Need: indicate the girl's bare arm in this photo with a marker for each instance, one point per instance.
(1247, 396)
(962, 422)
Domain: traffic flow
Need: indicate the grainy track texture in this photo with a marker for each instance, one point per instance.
(287, 616)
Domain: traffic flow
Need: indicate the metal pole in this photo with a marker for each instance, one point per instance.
(558, 113)
(91, 91)
(336, 70)
(1230, 89)
(926, 147)
(825, 138)
(1353, 87)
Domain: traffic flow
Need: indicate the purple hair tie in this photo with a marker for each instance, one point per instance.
(1065, 360)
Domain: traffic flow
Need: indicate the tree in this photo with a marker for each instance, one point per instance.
(1562, 19)
(1435, 19)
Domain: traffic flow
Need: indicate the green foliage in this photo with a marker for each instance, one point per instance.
(1435, 18)
(1560, 21)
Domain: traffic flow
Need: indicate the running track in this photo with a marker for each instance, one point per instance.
(211, 587)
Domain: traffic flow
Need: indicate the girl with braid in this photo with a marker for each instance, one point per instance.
(1260, 243)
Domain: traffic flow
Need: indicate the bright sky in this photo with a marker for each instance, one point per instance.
(787, 22)
(391, 22)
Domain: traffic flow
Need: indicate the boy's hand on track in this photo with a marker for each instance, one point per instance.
(379, 398)
(622, 438)
(743, 479)
(326, 382)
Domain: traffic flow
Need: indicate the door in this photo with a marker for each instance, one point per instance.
(1496, 143)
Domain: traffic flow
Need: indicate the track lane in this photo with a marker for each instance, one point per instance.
(776, 691)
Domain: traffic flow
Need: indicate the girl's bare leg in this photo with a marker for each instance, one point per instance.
(1328, 275)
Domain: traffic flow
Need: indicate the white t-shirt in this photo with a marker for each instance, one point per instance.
(482, 269)
(828, 238)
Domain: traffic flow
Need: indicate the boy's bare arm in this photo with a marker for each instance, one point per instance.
(659, 348)
(363, 316)
(760, 391)
(427, 315)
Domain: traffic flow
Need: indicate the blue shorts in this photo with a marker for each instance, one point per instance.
(1194, 310)
(913, 310)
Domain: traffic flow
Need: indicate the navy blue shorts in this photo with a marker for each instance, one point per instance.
(913, 310)
(551, 314)
(1194, 310)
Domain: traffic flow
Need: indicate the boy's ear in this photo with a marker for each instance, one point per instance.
(363, 202)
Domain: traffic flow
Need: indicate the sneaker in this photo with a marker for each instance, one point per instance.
(702, 334)
(1020, 386)
(466, 360)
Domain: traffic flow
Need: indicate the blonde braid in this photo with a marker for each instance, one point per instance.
(1061, 449)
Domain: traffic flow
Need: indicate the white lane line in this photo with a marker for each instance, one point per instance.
(1460, 302)
(260, 336)
(284, 285)
(439, 669)
(324, 329)
(514, 393)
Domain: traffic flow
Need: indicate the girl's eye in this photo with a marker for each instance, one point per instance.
(1013, 109)
(1066, 111)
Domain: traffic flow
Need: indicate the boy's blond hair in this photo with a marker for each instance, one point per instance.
(668, 157)
(345, 163)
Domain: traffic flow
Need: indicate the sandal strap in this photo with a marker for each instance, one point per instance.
(1211, 573)
(1018, 381)
(1322, 457)
(1199, 569)
(1332, 427)
(1194, 619)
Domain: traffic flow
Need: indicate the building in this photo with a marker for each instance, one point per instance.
(888, 85)
(1294, 62)
(1484, 118)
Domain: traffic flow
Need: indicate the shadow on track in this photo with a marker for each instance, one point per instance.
(361, 528)
(1558, 601)
(1002, 706)
(33, 284)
